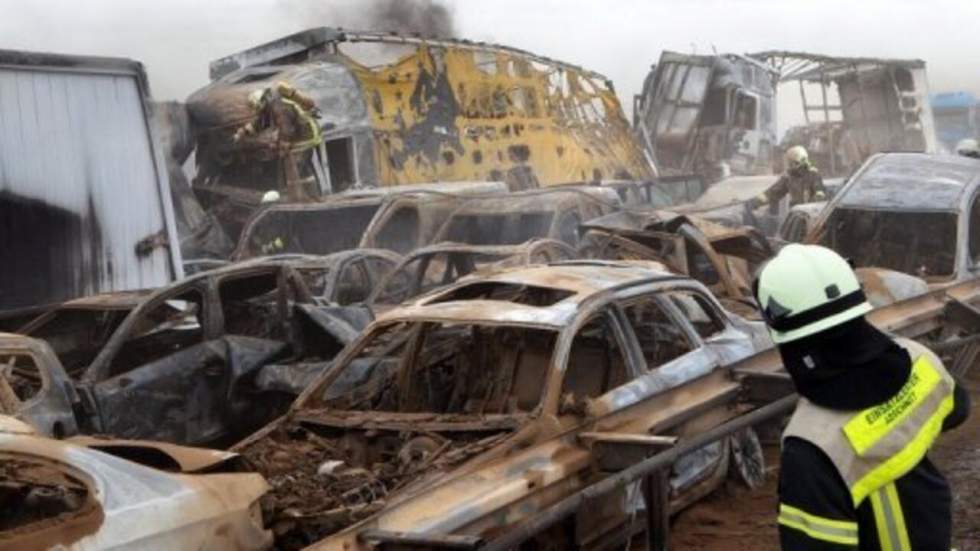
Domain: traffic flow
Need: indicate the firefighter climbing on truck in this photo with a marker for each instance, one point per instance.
(292, 117)
(854, 472)
(800, 180)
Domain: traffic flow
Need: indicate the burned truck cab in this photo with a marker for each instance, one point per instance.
(712, 115)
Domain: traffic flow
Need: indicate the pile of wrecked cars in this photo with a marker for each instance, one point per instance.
(182, 363)
(474, 405)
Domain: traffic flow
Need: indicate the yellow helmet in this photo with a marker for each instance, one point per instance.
(797, 157)
(285, 89)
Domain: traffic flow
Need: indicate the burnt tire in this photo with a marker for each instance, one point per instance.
(748, 463)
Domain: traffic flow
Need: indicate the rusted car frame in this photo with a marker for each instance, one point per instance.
(724, 259)
(91, 494)
(180, 366)
(482, 466)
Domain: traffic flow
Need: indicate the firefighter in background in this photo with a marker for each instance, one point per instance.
(854, 474)
(801, 181)
(291, 117)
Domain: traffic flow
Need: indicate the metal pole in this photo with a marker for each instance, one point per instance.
(657, 497)
(806, 112)
(545, 519)
(826, 121)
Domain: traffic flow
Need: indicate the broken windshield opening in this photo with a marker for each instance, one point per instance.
(918, 243)
(311, 231)
(43, 499)
(517, 293)
(446, 368)
(77, 335)
(499, 229)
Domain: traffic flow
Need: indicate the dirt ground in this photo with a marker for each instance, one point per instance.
(737, 519)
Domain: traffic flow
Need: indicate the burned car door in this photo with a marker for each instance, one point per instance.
(195, 396)
(598, 362)
(673, 354)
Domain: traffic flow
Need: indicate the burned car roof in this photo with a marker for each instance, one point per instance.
(564, 285)
(736, 189)
(911, 181)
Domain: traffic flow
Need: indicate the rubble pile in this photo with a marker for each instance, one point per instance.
(322, 485)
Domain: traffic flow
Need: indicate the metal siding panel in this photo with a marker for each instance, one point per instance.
(76, 148)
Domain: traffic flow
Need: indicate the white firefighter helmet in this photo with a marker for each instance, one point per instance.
(797, 157)
(968, 147)
(271, 196)
(807, 289)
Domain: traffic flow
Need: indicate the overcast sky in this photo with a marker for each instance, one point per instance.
(176, 39)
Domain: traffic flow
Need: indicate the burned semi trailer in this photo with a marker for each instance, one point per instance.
(396, 110)
(711, 115)
(854, 107)
(85, 202)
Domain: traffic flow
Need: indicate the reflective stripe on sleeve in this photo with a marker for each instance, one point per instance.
(889, 519)
(824, 529)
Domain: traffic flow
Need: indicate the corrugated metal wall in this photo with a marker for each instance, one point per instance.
(79, 187)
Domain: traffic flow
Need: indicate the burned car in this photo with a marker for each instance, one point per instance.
(514, 218)
(108, 494)
(398, 218)
(913, 213)
(180, 366)
(456, 415)
(721, 258)
(439, 265)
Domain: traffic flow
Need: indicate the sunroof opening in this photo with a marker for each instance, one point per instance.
(529, 295)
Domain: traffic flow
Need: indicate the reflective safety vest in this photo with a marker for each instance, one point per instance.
(316, 136)
(874, 447)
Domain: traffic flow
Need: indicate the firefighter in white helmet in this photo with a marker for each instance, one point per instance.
(800, 180)
(853, 471)
(968, 147)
